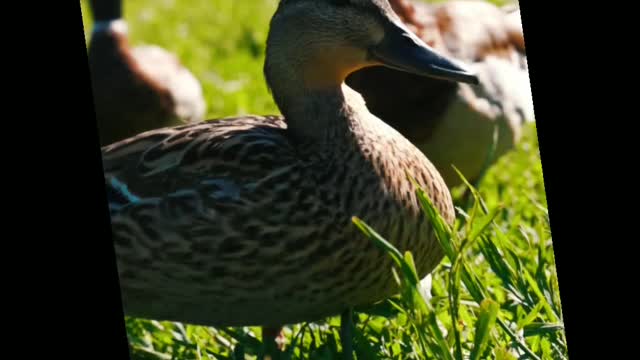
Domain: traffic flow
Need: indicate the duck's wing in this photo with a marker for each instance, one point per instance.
(514, 28)
(420, 18)
(226, 155)
(165, 68)
(505, 93)
(201, 212)
(474, 30)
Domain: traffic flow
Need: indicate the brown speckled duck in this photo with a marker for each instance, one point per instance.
(454, 123)
(247, 220)
(136, 89)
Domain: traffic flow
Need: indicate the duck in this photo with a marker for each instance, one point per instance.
(140, 88)
(454, 123)
(248, 220)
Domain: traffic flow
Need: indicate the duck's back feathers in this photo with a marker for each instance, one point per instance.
(515, 29)
(165, 68)
(160, 162)
(223, 205)
(194, 204)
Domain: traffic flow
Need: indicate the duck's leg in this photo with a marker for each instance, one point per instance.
(346, 334)
(271, 338)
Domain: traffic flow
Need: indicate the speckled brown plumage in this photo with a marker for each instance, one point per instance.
(247, 220)
(262, 225)
(453, 123)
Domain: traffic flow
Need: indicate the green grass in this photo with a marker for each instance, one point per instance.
(496, 294)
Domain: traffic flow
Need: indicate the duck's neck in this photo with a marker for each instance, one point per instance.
(320, 117)
(112, 27)
(307, 78)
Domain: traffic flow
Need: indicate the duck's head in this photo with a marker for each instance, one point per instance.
(107, 16)
(105, 10)
(321, 42)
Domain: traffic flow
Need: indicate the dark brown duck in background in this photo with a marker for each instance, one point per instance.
(136, 89)
(454, 123)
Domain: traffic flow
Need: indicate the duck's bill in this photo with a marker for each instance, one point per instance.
(402, 50)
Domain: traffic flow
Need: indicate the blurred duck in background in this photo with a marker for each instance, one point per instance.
(136, 89)
(454, 123)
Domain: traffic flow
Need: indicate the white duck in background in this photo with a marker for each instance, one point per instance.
(489, 40)
(454, 123)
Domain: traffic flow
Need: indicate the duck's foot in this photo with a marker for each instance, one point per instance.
(273, 341)
(346, 334)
